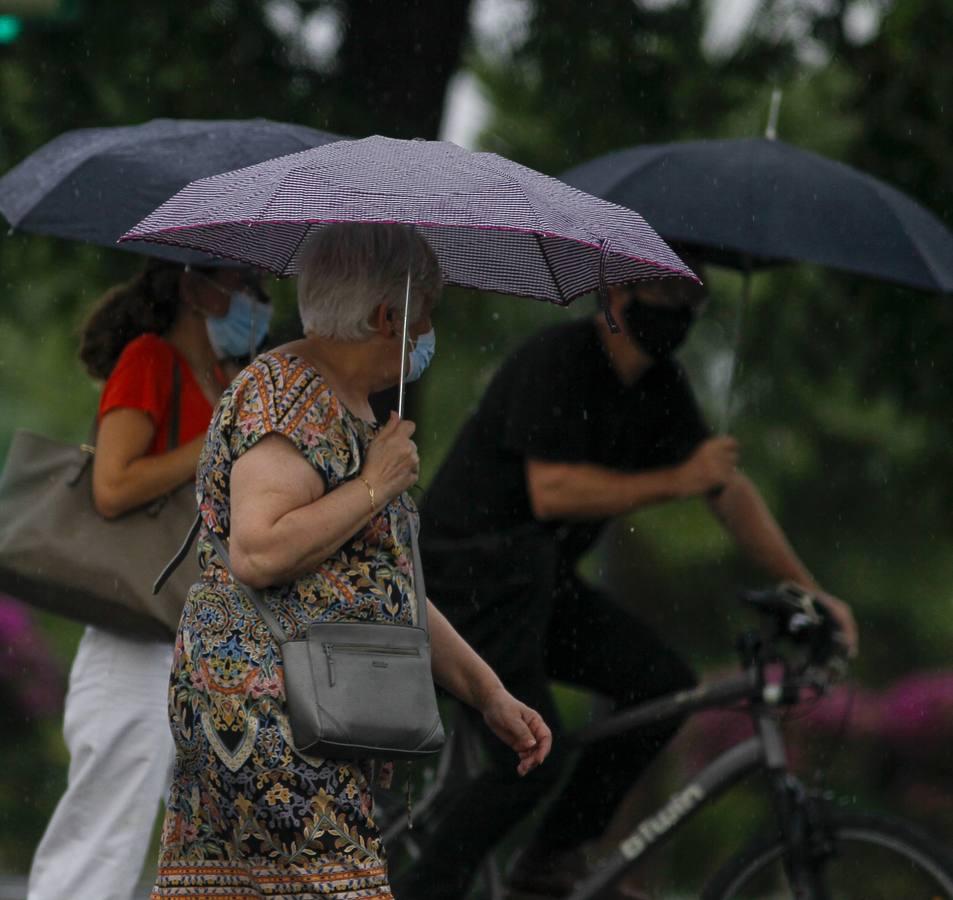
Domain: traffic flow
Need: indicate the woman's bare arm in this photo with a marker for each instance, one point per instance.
(124, 477)
(460, 670)
(284, 523)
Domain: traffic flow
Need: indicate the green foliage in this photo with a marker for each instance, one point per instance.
(592, 79)
(108, 65)
(842, 403)
(842, 406)
(34, 768)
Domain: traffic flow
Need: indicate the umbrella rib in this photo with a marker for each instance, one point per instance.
(304, 233)
(924, 257)
(482, 161)
(217, 253)
(549, 268)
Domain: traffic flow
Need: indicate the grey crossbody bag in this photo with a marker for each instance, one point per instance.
(358, 690)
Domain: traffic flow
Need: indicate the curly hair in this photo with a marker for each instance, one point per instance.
(147, 303)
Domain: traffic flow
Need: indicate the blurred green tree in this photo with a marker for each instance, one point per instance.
(842, 403)
(350, 66)
(590, 78)
(843, 385)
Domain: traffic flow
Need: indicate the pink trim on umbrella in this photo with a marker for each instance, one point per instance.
(374, 173)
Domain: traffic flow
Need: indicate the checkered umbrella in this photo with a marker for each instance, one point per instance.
(493, 224)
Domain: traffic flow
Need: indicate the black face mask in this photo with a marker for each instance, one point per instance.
(659, 330)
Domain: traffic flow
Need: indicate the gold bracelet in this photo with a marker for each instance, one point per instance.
(370, 492)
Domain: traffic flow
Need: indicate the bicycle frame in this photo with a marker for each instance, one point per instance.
(721, 693)
(764, 751)
(462, 744)
(717, 777)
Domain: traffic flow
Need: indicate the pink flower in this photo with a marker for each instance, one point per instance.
(918, 713)
(862, 708)
(198, 679)
(266, 687)
(30, 676)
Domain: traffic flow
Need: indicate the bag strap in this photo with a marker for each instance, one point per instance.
(180, 554)
(176, 414)
(174, 417)
(420, 588)
(256, 597)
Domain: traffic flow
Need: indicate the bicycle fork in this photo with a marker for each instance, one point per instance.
(807, 842)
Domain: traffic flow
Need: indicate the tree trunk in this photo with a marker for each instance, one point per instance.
(395, 62)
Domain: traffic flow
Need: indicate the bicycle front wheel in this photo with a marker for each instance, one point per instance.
(867, 857)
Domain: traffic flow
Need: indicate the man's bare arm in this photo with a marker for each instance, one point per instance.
(588, 491)
(742, 510)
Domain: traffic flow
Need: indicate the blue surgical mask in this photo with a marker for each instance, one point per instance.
(421, 353)
(242, 329)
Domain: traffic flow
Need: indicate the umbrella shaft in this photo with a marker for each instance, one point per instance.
(736, 352)
(403, 349)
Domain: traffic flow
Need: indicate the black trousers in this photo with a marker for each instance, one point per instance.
(533, 620)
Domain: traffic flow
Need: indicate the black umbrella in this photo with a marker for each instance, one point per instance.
(94, 184)
(756, 202)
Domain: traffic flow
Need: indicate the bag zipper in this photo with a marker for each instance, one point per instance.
(369, 649)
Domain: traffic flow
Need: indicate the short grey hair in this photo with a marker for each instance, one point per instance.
(348, 268)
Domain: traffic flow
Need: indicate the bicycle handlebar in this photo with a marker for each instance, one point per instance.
(796, 615)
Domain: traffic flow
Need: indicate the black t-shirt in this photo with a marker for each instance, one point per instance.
(557, 398)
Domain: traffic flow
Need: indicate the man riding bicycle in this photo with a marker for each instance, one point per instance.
(579, 425)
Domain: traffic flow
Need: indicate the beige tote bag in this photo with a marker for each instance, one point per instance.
(58, 553)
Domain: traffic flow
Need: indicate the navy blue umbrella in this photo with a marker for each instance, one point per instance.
(756, 202)
(94, 184)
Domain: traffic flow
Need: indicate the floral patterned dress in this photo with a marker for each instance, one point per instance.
(249, 816)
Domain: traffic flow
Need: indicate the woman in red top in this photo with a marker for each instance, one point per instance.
(115, 722)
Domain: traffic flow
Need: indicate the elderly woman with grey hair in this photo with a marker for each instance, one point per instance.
(312, 495)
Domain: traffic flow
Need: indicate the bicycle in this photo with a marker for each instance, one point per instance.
(818, 850)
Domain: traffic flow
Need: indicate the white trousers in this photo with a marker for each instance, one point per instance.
(116, 728)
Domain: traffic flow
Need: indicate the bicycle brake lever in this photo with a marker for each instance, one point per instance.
(805, 602)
